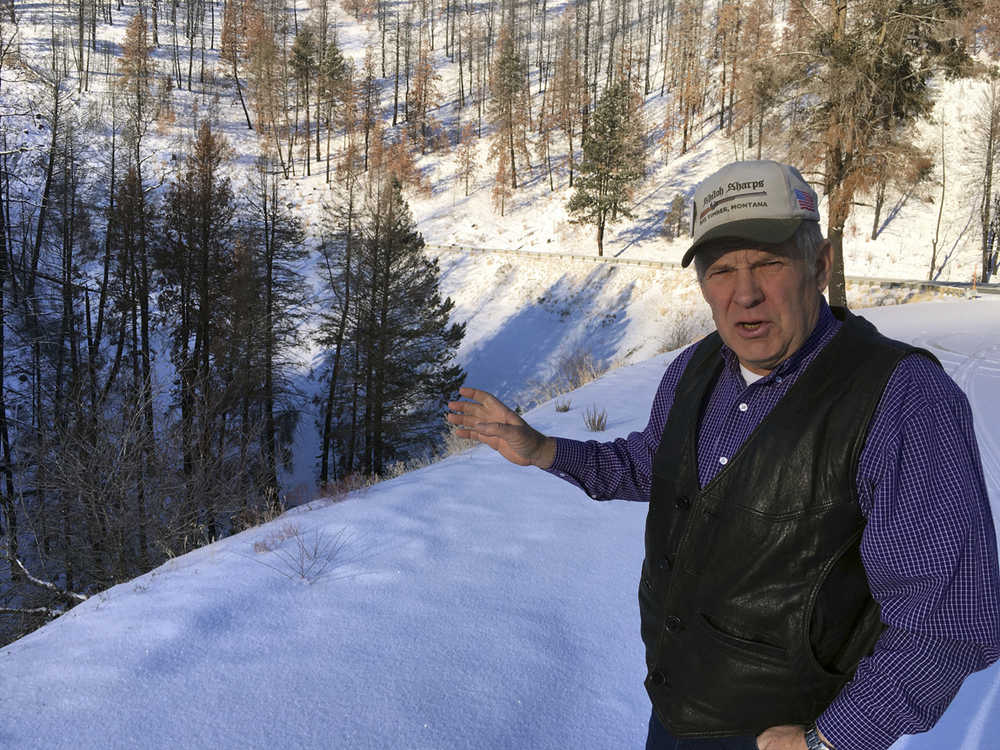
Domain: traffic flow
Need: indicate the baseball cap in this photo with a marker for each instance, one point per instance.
(762, 201)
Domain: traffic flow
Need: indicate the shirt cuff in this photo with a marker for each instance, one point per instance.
(570, 463)
(847, 727)
(567, 460)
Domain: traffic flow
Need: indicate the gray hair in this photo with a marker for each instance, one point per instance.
(804, 245)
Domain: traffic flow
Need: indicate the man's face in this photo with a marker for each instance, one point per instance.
(764, 302)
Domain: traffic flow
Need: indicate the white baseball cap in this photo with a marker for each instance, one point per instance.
(761, 201)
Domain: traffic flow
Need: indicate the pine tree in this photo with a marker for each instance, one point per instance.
(303, 64)
(612, 162)
(673, 222)
(509, 106)
(277, 237)
(412, 345)
(466, 155)
(399, 347)
(195, 262)
(758, 81)
(265, 83)
(340, 236)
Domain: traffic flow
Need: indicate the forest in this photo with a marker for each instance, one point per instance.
(155, 285)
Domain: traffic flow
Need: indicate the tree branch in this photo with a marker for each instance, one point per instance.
(46, 611)
(49, 585)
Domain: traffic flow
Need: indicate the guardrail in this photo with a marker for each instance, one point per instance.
(954, 288)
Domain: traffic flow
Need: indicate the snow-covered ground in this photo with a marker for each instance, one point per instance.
(470, 604)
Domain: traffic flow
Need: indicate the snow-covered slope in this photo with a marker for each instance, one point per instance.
(471, 604)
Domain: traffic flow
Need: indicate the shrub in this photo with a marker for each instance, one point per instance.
(595, 420)
(562, 405)
(577, 369)
(301, 557)
(574, 370)
(686, 330)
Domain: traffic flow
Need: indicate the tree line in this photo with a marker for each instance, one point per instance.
(833, 87)
(112, 274)
(149, 321)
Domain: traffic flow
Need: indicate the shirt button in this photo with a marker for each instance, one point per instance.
(778, 379)
(723, 460)
(743, 407)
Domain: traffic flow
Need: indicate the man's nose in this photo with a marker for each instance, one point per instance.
(748, 290)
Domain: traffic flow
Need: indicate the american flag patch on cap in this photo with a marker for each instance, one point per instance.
(805, 200)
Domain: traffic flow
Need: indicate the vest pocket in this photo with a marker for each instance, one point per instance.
(719, 632)
(843, 620)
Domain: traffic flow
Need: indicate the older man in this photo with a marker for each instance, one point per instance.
(821, 563)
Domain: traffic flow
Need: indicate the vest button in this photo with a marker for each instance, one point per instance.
(682, 503)
(657, 679)
(673, 624)
(664, 563)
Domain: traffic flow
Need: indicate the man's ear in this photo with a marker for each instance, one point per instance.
(824, 265)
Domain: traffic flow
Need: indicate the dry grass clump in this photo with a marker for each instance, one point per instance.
(595, 420)
(275, 538)
(298, 556)
(573, 371)
(686, 330)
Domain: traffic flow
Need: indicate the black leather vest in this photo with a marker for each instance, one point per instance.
(755, 605)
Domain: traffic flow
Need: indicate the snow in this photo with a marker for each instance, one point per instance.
(468, 604)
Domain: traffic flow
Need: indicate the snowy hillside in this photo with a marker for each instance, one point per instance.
(471, 604)
(617, 316)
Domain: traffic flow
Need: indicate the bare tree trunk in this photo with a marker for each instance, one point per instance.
(880, 187)
(937, 227)
(239, 92)
(839, 206)
(992, 137)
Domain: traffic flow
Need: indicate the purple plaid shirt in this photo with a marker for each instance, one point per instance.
(929, 547)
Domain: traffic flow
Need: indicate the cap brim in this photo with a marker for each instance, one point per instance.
(767, 231)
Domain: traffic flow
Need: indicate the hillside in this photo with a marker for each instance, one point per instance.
(160, 391)
(469, 604)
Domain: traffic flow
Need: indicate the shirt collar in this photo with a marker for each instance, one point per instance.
(824, 323)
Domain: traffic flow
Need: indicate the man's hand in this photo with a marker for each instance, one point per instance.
(486, 419)
(786, 737)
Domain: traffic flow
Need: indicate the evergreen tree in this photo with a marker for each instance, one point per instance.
(277, 236)
(340, 236)
(509, 107)
(612, 162)
(411, 346)
(303, 64)
(196, 262)
(673, 222)
(400, 369)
